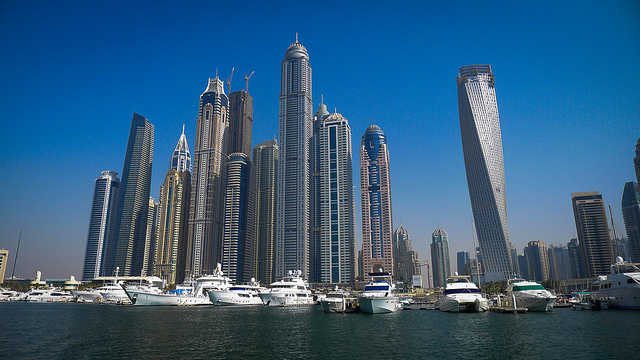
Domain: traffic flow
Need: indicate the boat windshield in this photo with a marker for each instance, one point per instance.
(462, 291)
(376, 288)
(528, 287)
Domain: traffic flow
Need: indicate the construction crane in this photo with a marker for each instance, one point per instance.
(246, 78)
(229, 81)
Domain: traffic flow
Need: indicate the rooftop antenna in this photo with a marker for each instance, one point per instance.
(322, 99)
(16, 258)
(296, 36)
(182, 129)
(229, 80)
(216, 73)
(246, 78)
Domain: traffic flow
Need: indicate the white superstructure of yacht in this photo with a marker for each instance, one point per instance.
(379, 295)
(621, 288)
(234, 295)
(529, 295)
(91, 295)
(291, 290)
(198, 296)
(7, 294)
(461, 295)
(338, 301)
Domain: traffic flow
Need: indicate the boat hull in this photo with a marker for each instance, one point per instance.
(285, 299)
(379, 305)
(87, 296)
(140, 298)
(472, 305)
(619, 298)
(533, 303)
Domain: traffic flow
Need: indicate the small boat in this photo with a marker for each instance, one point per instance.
(291, 290)
(237, 295)
(198, 296)
(379, 296)
(529, 295)
(339, 301)
(620, 289)
(461, 295)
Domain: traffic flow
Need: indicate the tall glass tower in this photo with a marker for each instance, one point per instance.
(293, 212)
(484, 164)
(265, 160)
(631, 216)
(206, 209)
(101, 224)
(440, 257)
(336, 201)
(405, 260)
(375, 188)
(133, 198)
(594, 239)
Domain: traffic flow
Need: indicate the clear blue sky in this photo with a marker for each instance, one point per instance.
(73, 73)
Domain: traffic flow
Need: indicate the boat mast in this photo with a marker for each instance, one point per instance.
(16, 258)
(615, 236)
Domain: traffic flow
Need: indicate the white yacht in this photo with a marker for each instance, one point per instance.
(48, 295)
(7, 294)
(291, 290)
(113, 294)
(82, 296)
(338, 301)
(198, 296)
(461, 295)
(378, 296)
(529, 295)
(237, 295)
(620, 289)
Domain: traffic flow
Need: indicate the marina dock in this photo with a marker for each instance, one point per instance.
(507, 310)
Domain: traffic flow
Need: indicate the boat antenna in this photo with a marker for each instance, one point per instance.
(16, 258)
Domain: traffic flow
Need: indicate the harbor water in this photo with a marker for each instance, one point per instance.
(95, 331)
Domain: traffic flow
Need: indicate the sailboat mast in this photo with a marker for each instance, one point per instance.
(13, 271)
(615, 236)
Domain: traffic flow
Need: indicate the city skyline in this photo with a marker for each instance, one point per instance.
(552, 122)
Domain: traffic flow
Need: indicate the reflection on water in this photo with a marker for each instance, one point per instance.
(108, 331)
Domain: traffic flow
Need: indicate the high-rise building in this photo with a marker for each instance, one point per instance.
(522, 264)
(631, 216)
(406, 261)
(559, 268)
(206, 205)
(441, 267)
(102, 224)
(240, 122)
(596, 247)
(537, 257)
(375, 188)
(293, 203)
(462, 260)
(575, 259)
(636, 161)
(316, 213)
(265, 164)
(515, 267)
(170, 254)
(484, 164)
(133, 199)
(4, 256)
(333, 195)
(151, 238)
(238, 244)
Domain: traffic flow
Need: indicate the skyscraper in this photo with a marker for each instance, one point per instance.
(375, 188)
(462, 259)
(406, 261)
(293, 208)
(151, 237)
(596, 247)
(334, 192)
(316, 214)
(559, 268)
(170, 254)
(240, 122)
(238, 245)
(206, 206)
(537, 259)
(631, 216)
(484, 164)
(440, 257)
(575, 259)
(265, 160)
(636, 161)
(133, 199)
(102, 224)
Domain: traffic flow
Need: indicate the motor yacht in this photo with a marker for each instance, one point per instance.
(528, 294)
(338, 301)
(198, 296)
(7, 294)
(379, 295)
(461, 295)
(620, 289)
(82, 296)
(48, 295)
(291, 290)
(248, 294)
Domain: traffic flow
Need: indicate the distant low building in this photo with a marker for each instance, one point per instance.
(4, 256)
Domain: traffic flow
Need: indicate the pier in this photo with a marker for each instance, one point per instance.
(507, 310)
